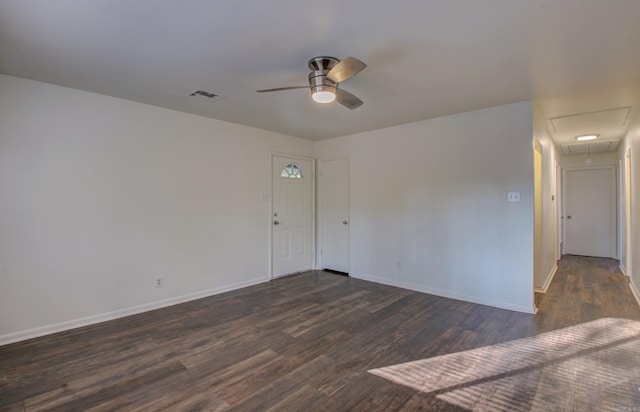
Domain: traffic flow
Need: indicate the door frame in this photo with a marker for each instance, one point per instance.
(610, 167)
(312, 160)
(538, 206)
(320, 216)
(559, 211)
(627, 190)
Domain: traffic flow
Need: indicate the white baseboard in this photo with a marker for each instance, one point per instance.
(623, 270)
(445, 294)
(550, 276)
(634, 290)
(120, 313)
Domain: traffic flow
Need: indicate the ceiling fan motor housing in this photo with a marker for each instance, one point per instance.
(318, 80)
(323, 63)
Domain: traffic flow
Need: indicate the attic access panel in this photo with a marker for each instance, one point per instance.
(610, 124)
(585, 148)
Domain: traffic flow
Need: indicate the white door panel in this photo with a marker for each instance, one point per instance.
(292, 220)
(590, 212)
(334, 210)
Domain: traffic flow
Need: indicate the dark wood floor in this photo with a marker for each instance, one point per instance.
(300, 343)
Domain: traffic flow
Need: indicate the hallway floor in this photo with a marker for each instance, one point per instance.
(585, 289)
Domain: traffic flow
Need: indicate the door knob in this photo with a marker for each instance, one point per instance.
(275, 222)
(568, 217)
(344, 222)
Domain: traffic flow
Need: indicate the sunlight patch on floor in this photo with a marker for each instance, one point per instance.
(594, 365)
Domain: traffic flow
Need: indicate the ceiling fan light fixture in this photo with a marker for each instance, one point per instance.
(587, 137)
(324, 96)
(323, 93)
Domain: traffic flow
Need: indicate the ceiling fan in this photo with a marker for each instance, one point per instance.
(326, 75)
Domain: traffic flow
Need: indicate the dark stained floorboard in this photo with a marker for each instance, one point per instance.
(299, 343)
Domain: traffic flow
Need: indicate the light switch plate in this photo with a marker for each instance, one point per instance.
(513, 197)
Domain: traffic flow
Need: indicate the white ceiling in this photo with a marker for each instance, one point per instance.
(425, 58)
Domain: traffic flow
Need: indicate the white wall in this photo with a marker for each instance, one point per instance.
(431, 195)
(98, 195)
(549, 244)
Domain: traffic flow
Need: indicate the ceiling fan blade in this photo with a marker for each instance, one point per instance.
(347, 99)
(346, 69)
(277, 89)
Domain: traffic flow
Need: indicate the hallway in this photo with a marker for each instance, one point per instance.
(584, 289)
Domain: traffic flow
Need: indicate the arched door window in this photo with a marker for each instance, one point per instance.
(292, 171)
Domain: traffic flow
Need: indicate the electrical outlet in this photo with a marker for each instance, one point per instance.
(398, 265)
(159, 281)
(513, 197)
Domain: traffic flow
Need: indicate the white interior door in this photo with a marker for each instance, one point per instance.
(334, 214)
(590, 212)
(292, 220)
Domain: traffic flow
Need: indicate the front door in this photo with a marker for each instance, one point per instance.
(292, 219)
(590, 212)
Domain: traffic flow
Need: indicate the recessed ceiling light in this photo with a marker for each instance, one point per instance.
(587, 137)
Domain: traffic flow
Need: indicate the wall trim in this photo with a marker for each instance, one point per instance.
(623, 269)
(445, 294)
(635, 292)
(550, 276)
(120, 313)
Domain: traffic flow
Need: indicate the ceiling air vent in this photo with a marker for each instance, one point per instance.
(205, 95)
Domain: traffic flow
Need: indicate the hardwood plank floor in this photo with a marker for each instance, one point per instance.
(308, 342)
